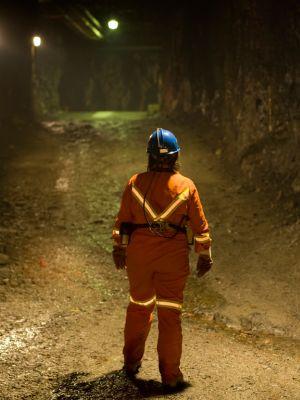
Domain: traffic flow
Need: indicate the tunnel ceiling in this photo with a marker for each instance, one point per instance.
(140, 22)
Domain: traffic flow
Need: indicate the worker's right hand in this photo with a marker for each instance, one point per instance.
(119, 256)
(204, 264)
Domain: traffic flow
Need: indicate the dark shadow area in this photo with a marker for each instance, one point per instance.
(114, 385)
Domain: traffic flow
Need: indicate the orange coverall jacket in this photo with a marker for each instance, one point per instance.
(157, 267)
(165, 189)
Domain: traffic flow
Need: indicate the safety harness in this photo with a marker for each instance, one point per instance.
(157, 222)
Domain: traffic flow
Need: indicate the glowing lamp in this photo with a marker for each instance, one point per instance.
(36, 41)
(113, 24)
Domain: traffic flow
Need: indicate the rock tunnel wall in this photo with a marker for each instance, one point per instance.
(16, 22)
(116, 79)
(236, 64)
(76, 74)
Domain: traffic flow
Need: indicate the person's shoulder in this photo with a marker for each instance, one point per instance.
(185, 180)
(136, 177)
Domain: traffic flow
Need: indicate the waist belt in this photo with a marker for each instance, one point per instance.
(127, 228)
(160, 226)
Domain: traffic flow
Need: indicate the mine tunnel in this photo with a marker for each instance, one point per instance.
(149, 173)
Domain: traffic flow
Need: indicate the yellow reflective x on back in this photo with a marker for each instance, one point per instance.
(143, 202)
(179, 199)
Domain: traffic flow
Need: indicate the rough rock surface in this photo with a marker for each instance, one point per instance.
(4, 259)
(237, 64)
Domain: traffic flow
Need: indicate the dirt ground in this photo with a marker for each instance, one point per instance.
(62, 303)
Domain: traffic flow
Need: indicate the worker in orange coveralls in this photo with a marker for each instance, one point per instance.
(151, 242)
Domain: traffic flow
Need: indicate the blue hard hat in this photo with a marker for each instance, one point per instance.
(162, 142)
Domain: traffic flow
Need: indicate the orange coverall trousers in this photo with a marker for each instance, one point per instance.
(159, 277)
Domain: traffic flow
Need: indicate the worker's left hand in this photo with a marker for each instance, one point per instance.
(119, 256)
(204, 264)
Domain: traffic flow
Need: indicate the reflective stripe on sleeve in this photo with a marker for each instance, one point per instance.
(169, 304)
(116, 236)
(143, 303)
(203, 238)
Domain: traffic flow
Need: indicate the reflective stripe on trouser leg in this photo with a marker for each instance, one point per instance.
(169, 304)
(137, 327)
(169, 345)
(144, 303)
